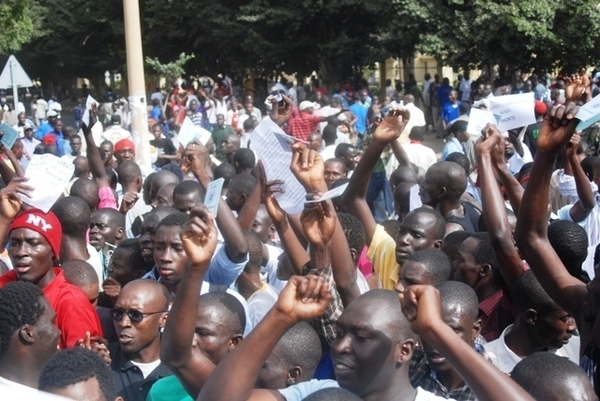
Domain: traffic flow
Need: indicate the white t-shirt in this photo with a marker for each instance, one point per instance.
(268, 272)
(13, 391)
(516, 161)
(95, 261)
(591, 225)
(505, 359)
(261, 302)
(147, 368)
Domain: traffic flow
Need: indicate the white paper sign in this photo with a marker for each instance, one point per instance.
(513, 111)
(187, 133)
(49, 175)
(277, 159)
(213, 196)
(86, 113)
(415, 199)
(589, 113)
(478, 119)
(334, 193)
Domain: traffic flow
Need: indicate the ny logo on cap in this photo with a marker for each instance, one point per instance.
(38, 221)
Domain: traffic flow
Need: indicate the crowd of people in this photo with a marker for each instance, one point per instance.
(470, 277)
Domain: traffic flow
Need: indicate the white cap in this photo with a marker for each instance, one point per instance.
(307, 105)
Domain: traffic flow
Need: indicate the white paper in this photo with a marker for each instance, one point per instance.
(478, 119)
(334, 193)
(187, 133)
(513, 111)
(49, 175)
(415, 199)
(213, 195)
(589, 113)
(86, 113)
(277, 159)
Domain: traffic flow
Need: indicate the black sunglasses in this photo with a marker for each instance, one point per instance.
(135, 316)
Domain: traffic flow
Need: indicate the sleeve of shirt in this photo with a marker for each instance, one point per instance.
(222, 270)
(107, 198)
(564, 213)
(74, 318)
(300, 391)
(325, 324)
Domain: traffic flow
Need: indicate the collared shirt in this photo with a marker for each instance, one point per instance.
(129, 379)
(421, 375)
(505, 359)
(304, 125)
(496, 313)
(453, 145)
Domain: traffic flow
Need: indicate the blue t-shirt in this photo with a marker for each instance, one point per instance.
(450, 112)
(360, 112)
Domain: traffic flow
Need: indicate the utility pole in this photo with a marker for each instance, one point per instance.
(137, 86)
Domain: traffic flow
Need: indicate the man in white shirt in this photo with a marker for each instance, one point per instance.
(540, 325)
(465, 87)
(419, 154)
(417, 118)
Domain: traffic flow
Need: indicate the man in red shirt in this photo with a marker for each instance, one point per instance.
(306, 123)
(34, 245)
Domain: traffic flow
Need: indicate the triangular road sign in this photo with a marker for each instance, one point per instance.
(14, 74)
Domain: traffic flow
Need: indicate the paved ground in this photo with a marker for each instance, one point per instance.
(437, 144)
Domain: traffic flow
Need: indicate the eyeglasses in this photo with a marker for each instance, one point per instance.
(135, 316)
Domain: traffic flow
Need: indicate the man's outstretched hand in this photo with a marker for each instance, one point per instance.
(558, 127)
(280, 114)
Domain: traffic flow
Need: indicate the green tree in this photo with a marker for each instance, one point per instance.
(16, 20)
(170, 71)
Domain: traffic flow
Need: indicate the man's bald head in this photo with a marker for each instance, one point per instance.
(82, 167)
(448, 175)
(156, 293)
(409, 99)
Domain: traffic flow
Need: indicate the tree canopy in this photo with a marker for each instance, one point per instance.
(66, 38)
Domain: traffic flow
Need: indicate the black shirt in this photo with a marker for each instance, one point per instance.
(165, 146)
(129, 379)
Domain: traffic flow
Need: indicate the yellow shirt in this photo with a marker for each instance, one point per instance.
(382, 253)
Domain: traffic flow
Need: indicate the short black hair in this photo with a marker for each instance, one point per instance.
(173, 220)
(226, 171)
(403, 174)
(418, 133)
(440, 222)
(128, 172)
(19, 305)
(188, 187)
(484, 252)
(460, 159)
(87, 190)
(254, 252)
(114, 216)
(458, 126)
(243, 183)
(249, 123)
(436, 263)
(79, 273)
(136, 260)
(543, 374)
(342, 149)
(77, 365)
(527, 293)
(244, 158)
(329, 134)
(354, 231)
(164, 177)
(228, 307)
(570, 241)
(74, 215)
(300, 346)
(456, 293)
(453, 240)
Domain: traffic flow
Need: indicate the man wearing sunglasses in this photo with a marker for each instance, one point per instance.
(139, 315)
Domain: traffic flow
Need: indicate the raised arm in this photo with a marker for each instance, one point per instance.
(190, 365)
(92, 153)
(236, 246)
(532, 224)
(247, 214)
(294, 250)
(421, 306)
(400, 153)
(355, 194)
(586, 202)
(10, 203)
(303, 298)
(512, 186)
(494, 210)
(19, 172)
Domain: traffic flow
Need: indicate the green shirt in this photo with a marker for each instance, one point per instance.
(218, 136)
(168, 389)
